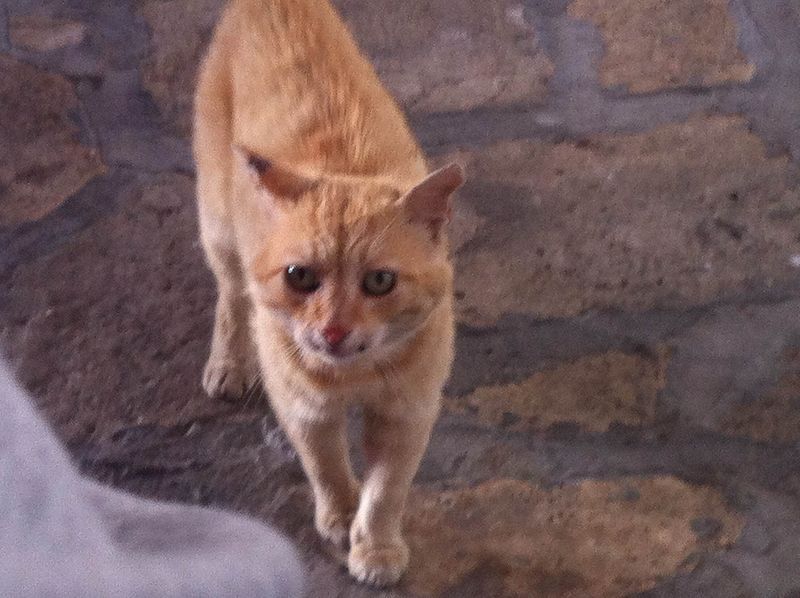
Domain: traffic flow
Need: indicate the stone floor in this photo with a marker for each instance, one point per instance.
(624, 412)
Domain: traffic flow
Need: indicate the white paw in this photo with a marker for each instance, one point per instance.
(333, 522)
(379, 565)
(334, 528)
(226, 380)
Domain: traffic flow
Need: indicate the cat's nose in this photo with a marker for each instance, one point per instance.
(334, 335)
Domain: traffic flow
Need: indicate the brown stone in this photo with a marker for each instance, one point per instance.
(41, 161)
(593, 392)
(181, 29)
(775, 417)
(595, 538)
(653, 44)
(441, 55)
(42, 33)
(112, 330)
(674, 217)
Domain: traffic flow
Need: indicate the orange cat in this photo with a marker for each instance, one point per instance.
(326, 236)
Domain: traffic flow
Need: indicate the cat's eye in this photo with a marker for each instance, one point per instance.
(378, 282)
(301, 278)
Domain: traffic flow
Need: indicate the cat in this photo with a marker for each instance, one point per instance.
(327, 237)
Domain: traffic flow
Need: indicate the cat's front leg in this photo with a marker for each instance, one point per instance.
(232, 368)
(393, 446)
(322, 446)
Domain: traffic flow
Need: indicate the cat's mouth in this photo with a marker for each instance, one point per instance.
(339, 355)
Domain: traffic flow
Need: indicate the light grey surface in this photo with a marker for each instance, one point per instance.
(63, 535)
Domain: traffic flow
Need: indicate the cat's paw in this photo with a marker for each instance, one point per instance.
(333, 526)
(227, 381)
(378, 565)
(333, 516)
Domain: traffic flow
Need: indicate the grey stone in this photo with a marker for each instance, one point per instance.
(755, 537)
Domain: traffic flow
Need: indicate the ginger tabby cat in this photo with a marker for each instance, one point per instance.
(327, 238)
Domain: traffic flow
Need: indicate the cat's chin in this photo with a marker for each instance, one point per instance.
(371, 359)
(324, 360)
(335, 361)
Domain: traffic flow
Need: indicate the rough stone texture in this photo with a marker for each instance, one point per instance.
(675, 217)
(606, 538)
(773, 417)
(42, 162)
(137, 271)
(746, 358)
(652, 44)
(461, 59)
(42, 33)
(180, 31)
(440, 55)
(627, 270)
(593, 392)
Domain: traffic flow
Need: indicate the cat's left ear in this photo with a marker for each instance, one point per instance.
(280, 182)
(430, 202)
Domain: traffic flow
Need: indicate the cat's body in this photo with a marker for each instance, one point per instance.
(328, 244)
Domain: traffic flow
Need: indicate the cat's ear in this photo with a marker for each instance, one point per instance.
(430, 202)
(278, 181)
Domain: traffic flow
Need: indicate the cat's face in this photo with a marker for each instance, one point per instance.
(350, 272)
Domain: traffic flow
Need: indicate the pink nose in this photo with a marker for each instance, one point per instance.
(334, 335)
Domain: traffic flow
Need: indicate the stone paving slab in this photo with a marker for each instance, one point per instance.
(180, 32)
(653, 45)
(132, 288)
(593, 392)
(453, 57)
(623, 414)
(678, 216)
(42, 162)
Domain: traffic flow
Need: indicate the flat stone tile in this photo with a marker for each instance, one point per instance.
(652, 45)
(595, 538)
(42, 163)
(671, 218)
(440, 55)
(593, 392)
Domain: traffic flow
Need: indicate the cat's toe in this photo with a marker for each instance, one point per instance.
(226, 381)
(378, 565)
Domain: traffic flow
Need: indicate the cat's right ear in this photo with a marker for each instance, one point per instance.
(279, 182)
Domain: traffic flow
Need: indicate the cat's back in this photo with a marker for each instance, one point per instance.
(302, 93)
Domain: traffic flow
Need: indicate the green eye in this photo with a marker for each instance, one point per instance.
(301, 278)
(379, 282)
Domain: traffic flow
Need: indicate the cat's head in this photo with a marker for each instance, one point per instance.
(351, 268)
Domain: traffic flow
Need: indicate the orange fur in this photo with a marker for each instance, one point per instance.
(304, 160)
